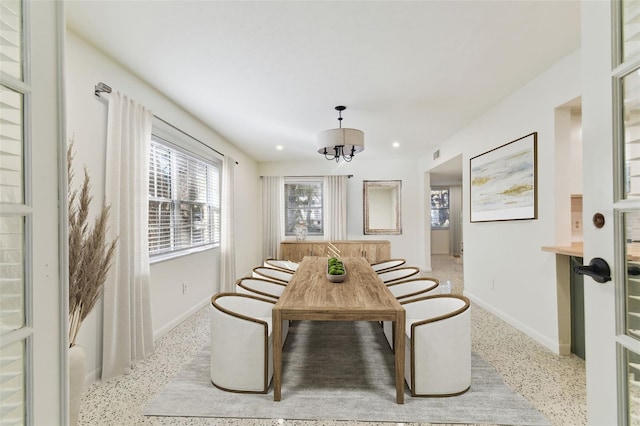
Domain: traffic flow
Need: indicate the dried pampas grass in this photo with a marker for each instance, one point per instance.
(90, 254)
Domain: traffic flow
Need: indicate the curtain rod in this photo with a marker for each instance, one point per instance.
(103, 88)
(311, 176)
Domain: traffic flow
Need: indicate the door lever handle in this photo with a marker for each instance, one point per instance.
(598, 269)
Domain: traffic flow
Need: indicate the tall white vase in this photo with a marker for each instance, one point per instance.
(76, 382)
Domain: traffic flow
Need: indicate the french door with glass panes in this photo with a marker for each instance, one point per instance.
(625, 78)
(32, 296)
(33, 293)
(15, 326)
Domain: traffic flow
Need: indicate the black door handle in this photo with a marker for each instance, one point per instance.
(598, 269)
(633, 270)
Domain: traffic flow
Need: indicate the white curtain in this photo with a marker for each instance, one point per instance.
(455, 219)
(227, 237)
(335, 213)
(272, 215)
(127, 330)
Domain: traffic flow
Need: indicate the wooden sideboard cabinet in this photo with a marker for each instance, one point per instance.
(372, 250)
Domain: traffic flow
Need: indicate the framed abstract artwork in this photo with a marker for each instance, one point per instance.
(503, 182)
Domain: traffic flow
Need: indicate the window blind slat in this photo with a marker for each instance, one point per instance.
(10, 8)
(7, 42)
(10, 163)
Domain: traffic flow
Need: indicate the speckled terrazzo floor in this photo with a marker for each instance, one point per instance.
(553, 384)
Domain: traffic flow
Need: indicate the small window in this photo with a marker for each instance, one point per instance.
(440, 208)
(303, 203)
(184, 201)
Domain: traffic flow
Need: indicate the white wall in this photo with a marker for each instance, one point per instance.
(47, 389)
(86, 123)
(568, 168)
(403, 246)
(505, 270)
(575, 152)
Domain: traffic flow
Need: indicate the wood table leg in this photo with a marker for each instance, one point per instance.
(276, 321)
(399, 325)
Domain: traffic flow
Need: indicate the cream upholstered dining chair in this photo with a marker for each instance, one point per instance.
(387, 264)
(287, 265)
(406, 290)
(398, 274)
(413, 287)
(260, 287)
(273, 274)
(241, 342)
(438, 345)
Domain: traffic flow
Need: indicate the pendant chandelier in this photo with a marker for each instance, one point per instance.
(341, 142)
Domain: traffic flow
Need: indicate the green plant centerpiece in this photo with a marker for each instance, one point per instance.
(336, 271)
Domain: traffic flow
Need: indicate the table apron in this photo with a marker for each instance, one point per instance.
(339, 316)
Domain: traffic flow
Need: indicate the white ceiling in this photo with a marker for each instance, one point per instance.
(266, 73)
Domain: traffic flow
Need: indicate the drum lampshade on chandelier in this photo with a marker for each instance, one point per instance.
(341, 142)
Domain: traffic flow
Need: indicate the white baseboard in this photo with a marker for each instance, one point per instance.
(170, 326)
(550, 344)
(92, 377)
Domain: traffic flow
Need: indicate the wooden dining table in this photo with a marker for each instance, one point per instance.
(362, 296)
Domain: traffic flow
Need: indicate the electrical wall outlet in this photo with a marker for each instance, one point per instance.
(184, 288)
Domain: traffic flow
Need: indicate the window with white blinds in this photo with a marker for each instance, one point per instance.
(11, 38)
(184, 201)
(303, 203)
(11, 146)
(12, 372)
(12, 284)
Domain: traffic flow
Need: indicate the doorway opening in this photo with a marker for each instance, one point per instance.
(568, 219)
(444, 227)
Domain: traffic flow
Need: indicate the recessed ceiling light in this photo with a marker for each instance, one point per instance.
(279, 147)
(396, 144)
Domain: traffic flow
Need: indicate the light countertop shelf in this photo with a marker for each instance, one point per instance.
(575, 249)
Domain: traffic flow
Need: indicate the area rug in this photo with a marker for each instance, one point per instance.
(342, 371)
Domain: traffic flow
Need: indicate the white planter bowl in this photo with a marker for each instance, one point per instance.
(337, 278)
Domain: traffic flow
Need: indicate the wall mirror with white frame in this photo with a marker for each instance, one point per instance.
(382, 207)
